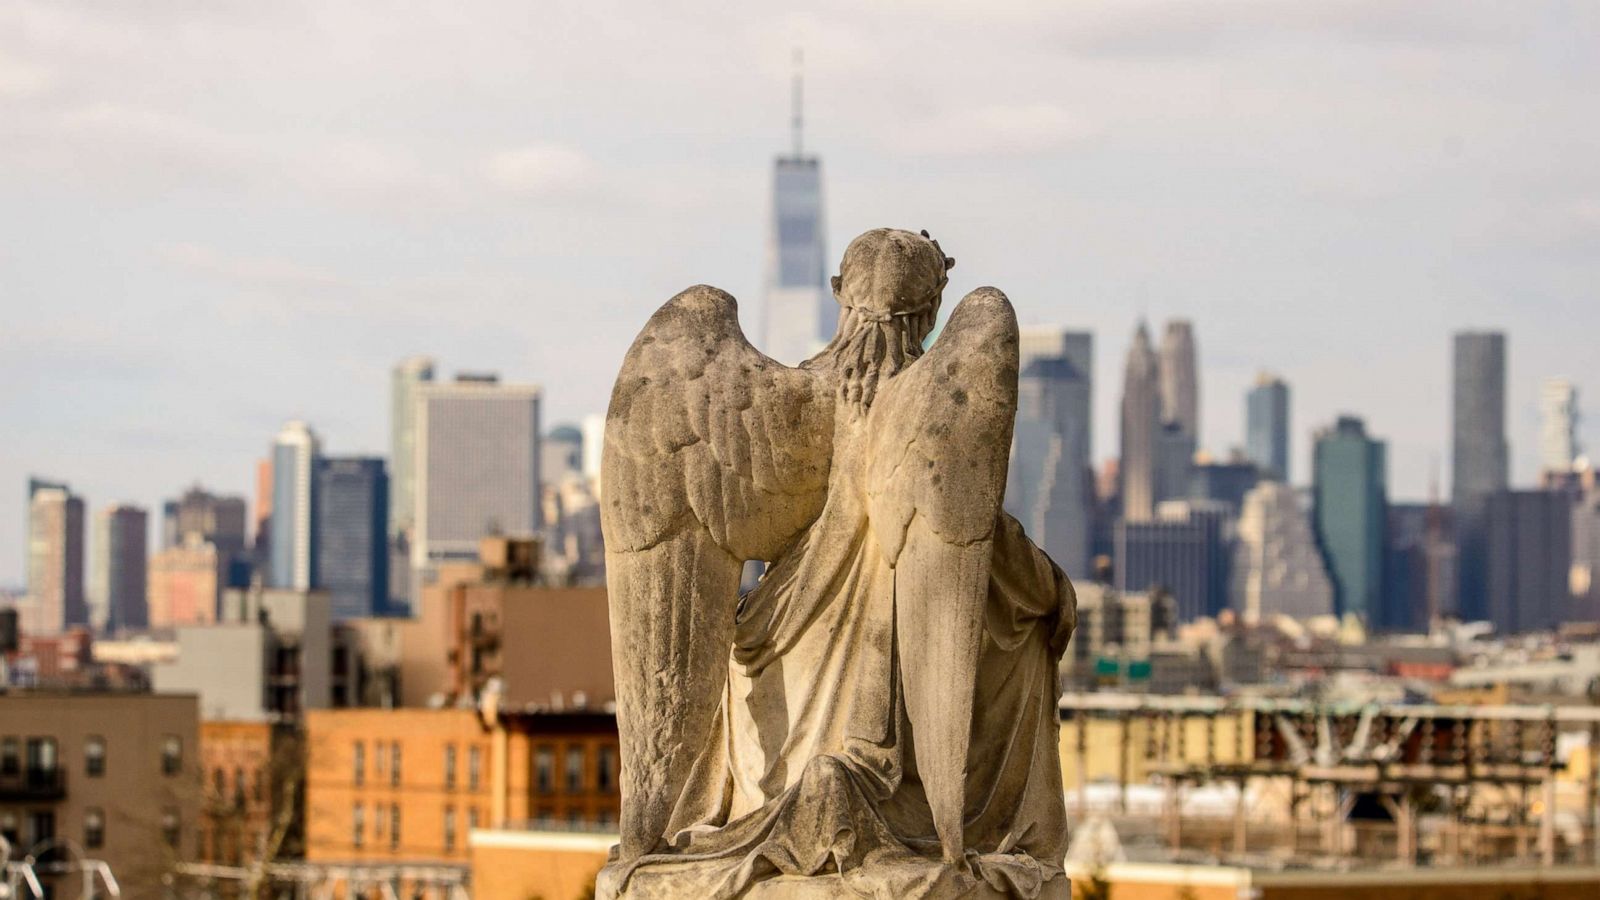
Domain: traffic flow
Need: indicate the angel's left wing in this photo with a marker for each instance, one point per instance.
(940, 443)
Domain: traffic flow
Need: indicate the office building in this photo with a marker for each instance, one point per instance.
(1277, 567)
(1479, 455)
(1179, 435)
(111, 776)
(404, 383)
(1049, 486)
(1529, 559)
(1349, 511)
(1224, 482)
(185, 582)
(1586, 551)
(1141, 424)
(477, 467)
(561, 455)
(1559, 449)
(1420, 567)
(294, 507)
(117, 574)
(351, 533)
(270, 655)
(801, 313)
(56, 599)
(1183, 553)
(594, 442)
(1267, 426)
(219, 520)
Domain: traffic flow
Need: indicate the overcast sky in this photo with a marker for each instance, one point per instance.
(216, 216)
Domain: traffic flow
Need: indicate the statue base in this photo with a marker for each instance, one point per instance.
(896, 880)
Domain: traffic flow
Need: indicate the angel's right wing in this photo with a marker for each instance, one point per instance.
(714, 454)
(941, 438)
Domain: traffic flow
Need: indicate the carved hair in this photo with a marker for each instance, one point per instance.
(881, 327)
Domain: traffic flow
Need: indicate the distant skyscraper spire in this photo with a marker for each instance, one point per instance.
(1141, 422)
(800, 311)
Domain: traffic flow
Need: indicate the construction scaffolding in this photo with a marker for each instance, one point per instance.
(1323, 784)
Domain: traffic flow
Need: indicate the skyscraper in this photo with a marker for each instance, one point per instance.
(1529, 559)
(477, 466)
(1049, 484)
(1277, 569)
(55, 598)
(407, 378)
(351, 532)
(1179, 435)
(218, 519)
(1558, 434)
(1141, 422)
(800, 310)
(294, 507)
(1479, 459)
(1350, 514)
(1267, 426)
(117, 570)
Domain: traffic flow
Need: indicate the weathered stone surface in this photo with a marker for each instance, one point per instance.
(877, 718)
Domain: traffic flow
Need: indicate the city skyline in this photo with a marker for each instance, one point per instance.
(1295, 225)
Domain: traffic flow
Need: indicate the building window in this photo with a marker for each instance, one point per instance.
(474, 767)
(605, 772)
(449, 766)
(94, 828)
(238, 787)
(449, 828)
(94, 756)
(544, 770)
(575, 770)
(10, 756)
(260, 790)
(472, 818)
(171, 755)
(42, 755)
(170, 829)
(219, 785)
(394, 826)
(41, 826)
(8, 827)
(360, 770)
(394, 764)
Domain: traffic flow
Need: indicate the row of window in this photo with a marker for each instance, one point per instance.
(43, 755)
(386, 825)
(42, 827)
(386, 763)
(257, 789)
(574, 772)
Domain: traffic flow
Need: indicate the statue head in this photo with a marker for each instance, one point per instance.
(888, 287)
(889, 274)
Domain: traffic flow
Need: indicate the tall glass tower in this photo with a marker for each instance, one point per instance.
(1480, 465)
(1266, 437)
(1350, 513)
(801, 314)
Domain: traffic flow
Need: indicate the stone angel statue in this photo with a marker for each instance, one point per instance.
(878, 716)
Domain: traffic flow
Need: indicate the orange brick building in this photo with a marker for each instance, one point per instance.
(409, 785)
(252, 776)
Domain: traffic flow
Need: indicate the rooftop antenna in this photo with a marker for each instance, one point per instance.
(796, 119)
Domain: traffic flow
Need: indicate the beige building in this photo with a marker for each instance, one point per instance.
(185, 582)
(550, 647)
(107, 776)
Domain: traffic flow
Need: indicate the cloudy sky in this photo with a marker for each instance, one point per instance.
(217, 215)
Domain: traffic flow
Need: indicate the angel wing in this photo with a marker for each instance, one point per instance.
(936, 477)
(714, 454)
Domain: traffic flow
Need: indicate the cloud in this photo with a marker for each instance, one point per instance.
(248, 271)
(541, 170)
